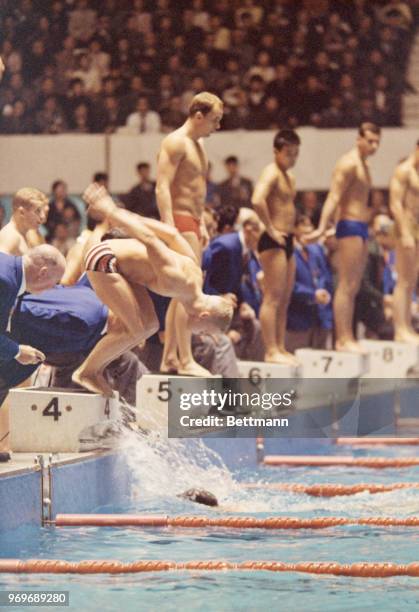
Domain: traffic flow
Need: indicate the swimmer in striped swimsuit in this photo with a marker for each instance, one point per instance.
(157, 257)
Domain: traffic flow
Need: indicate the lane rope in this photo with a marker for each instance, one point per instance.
(234, 522)
(333, 490)
(339, 460)
(377, 441)
(52, 566)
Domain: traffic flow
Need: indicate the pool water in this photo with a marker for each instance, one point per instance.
(163, 471)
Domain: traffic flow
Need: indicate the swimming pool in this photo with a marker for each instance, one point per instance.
(162, 470)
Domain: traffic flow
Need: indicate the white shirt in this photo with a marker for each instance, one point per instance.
(149, 122)
(23, 283)
(21, 291)
(245, 250)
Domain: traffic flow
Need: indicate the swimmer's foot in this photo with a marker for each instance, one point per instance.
(94, 383)
(282, 357)
(407, 336)
(350, 346)
(193, 369)
(169, 367)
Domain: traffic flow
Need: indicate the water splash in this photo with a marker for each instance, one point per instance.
(163, 468)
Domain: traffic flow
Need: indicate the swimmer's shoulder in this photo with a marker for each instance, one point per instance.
(270, 173)
(11, 241)
(175, 143)
(348, 162)
(403, 169)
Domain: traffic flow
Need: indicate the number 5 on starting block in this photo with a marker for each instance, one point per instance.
(154, 392)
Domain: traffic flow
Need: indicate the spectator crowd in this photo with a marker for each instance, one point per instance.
(94, 66)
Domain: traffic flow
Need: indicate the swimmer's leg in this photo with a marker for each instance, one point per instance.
(170, 361)
(178, 337)
(282, 313)
(407, 272)
(131, 320)
(275, 302)
(353, 253)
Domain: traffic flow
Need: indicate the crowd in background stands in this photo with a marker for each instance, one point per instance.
(87, 66)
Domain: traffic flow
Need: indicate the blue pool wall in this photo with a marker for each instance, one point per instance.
(93, 482)
(81, 486)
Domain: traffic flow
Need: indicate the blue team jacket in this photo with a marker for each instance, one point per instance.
(313, 274)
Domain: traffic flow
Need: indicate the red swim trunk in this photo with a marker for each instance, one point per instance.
(185, 223)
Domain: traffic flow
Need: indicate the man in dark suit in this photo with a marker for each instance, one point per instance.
(141, 199)
(231, 268)
(40, 269)
(373, 305)
(235, 190)
(227, 258)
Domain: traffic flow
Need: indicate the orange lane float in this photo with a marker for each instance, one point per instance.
(377, 441)
(340, 460)
(52, 566)
(333, 490)
(232, 522)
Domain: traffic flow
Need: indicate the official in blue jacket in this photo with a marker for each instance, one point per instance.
(38, 270)
(59, 321)
(310, 314)
(227, 258)
(231, 266)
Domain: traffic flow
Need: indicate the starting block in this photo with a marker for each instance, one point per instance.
(154, 391)
(256, 371)
(331, 364)
(388, 359)
(51, 420)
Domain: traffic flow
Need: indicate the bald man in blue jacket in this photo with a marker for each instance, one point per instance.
(36, 271)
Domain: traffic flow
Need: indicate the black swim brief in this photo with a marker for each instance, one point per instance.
(266, 242)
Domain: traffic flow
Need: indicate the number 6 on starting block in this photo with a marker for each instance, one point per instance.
(258, 371)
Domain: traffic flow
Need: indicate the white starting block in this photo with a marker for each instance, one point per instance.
(389, 359)
(51, 420)
(154, 392)
(331, 364)
(257, 371)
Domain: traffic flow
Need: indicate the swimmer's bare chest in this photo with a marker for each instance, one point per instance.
(189, 185)
(281, 202)
(411, 200)
(354, 201)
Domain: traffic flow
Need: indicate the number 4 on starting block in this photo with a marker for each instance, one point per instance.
(51, 420)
